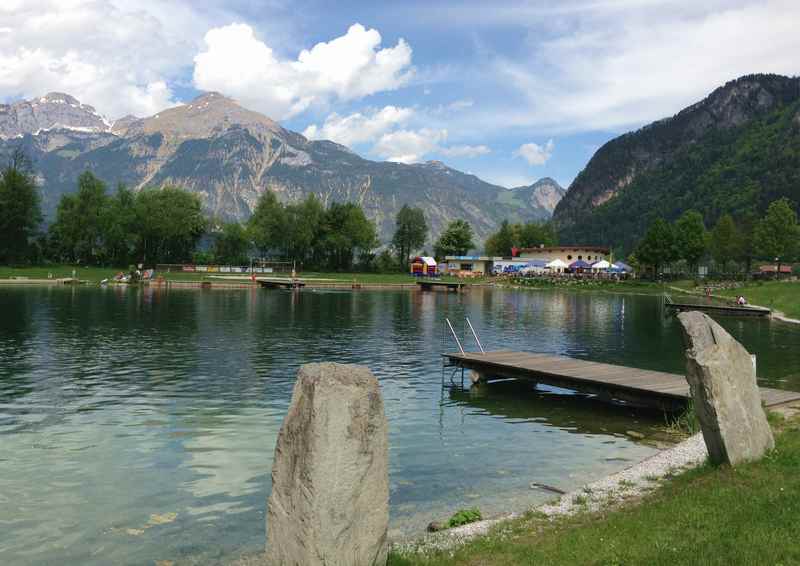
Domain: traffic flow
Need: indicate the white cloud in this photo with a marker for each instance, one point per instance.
(411, 146)
(534, 153)
(359, 127)
(611, 65)
(408, 146)
(465, 150)
(348, 67)
(119, 58)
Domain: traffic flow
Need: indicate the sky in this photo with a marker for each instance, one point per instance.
(509, 91)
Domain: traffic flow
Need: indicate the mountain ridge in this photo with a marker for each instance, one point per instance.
(704, 157)
(230, 155)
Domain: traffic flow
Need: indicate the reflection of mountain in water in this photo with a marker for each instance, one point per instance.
(520, 401)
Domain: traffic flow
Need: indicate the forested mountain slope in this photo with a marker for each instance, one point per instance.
(735, 151)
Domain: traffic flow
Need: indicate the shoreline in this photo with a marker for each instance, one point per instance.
(613, 490)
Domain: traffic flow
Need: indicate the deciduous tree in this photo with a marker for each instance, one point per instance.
(410, 232)
(777, 233)
(725, 242)
(20, 212)
(691, 238)
(455, 240)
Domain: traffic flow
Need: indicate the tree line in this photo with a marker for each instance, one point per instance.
(731, 243)
(95, 226)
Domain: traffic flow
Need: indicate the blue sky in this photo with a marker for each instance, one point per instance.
(510, 91)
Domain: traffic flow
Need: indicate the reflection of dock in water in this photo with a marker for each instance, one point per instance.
(446, 285)
(519, 401)
(667, 391)
(280, 283)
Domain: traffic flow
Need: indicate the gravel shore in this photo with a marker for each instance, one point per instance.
(627, 484)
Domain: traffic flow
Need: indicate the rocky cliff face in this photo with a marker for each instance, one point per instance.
(230, 155)
(620, 163)
(52, 111)
(544, 193)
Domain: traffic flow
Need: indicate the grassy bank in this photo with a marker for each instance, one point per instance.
(567, 284)
(96, 274)
(783, 296)
(747, 515)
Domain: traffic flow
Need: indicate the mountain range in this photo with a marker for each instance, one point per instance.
(230, 155)
(733, 152)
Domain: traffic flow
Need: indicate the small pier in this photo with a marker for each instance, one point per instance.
(446, 285)
(281, 283)
(655, 389)
(728, 310)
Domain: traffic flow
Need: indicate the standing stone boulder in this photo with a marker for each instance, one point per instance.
(727, 401)
(330, 479)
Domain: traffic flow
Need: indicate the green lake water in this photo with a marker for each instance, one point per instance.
(138, 425)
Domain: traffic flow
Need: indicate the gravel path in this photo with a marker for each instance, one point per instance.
(629, 483)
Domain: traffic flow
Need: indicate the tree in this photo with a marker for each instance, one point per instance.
(120, 227)
(746, 223)
(533, 235)
(347, 233)
(20, 212)
(725, 242)
(501, 242)
(658, 246)
(410, 232)
(268, 224)
(171, 222)
(80, 219)
(304, 229)
(455, 240)
(692, 238)
(231, 245)
(776, 235)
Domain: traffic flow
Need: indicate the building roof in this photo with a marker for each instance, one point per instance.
(471, 258)
(774, 268)
(598, 249)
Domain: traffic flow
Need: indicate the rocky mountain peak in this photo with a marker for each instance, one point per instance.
(208, 114)
(545, 193)
(52, 111)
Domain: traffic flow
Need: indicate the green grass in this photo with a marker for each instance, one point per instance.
(97, 274)
(783, 296)
(710, 515)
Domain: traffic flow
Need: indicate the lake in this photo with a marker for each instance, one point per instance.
(138, 424)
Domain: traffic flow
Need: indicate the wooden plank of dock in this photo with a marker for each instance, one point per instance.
(658, 389)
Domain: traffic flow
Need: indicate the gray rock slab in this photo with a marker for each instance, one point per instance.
(727, 401)
(330, 482)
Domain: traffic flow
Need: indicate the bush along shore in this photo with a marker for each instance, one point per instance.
(673, 508)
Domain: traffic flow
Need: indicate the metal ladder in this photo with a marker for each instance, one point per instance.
(455, 336)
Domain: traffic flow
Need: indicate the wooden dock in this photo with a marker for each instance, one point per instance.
(728, 310)
(428, 285)
(280, 283)
(666, 391)
(720, 309)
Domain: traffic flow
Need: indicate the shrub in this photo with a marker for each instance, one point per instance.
(464, 516)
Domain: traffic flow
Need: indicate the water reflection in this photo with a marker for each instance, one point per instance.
(117, 404)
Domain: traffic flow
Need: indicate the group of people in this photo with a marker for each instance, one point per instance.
(740, 300)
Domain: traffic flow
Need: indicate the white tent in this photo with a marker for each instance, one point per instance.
(556, 264)
(602, 264)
